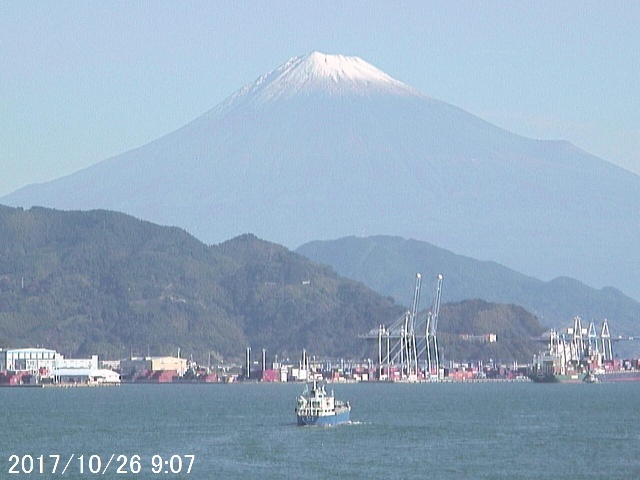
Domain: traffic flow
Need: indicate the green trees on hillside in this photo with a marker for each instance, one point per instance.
(462, 325)
(103, 282)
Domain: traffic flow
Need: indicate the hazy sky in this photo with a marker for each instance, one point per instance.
(84, 81)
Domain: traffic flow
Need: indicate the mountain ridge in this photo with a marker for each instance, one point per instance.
(388, 265)
(322, 166)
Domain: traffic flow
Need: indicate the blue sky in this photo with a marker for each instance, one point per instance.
(83, 81)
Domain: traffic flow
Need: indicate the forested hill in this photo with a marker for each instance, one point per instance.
(107, 283)
(463, 325)
(104, 282)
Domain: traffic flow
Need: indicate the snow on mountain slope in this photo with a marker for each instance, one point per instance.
(327, 146)
(327, 74)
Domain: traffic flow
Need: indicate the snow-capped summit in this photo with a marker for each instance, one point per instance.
(318, 72)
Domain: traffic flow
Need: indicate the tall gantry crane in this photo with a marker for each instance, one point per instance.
(577, 334)
(397, 345)
(433, 354)
(605, 338)
(402, 345)
(409, 341)
(578, 345)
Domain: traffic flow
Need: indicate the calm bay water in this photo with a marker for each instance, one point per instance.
(248, 431)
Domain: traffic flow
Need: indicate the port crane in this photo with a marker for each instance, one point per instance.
(431, 346)
(401, 344)
(410, 345)
(578, 344)
(605, 339)
(397, 343)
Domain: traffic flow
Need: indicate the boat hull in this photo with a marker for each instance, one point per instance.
(324, 420)
(608, 377)
(551, 378)
(622, 376)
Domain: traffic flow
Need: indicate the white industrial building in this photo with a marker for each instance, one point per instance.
(49, 365)
(86, 375)
(37, 361)
(82, 370)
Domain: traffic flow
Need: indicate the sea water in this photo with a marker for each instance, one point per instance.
(248, 431)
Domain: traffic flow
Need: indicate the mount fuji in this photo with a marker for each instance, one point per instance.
(327, 146)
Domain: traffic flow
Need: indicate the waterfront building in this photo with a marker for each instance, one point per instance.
(86, 376)
(83, 370)
(36, 361)
(77, 363)
(137, 366)
(47, 366)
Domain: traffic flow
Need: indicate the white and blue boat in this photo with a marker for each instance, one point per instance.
(317, 407)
